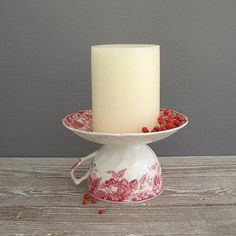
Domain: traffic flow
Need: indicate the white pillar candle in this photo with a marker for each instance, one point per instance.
(125, 87)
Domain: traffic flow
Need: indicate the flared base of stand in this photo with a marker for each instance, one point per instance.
(125, 174)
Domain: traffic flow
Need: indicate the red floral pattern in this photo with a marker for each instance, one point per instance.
(80, 120)
(119, 189)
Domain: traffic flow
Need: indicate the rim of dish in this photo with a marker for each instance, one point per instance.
(125, 134)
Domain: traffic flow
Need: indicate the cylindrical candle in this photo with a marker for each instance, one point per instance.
(125, 87)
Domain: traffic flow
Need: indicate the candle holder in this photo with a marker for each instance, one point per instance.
(125, 169)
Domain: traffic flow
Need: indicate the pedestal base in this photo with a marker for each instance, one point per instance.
(125, 174)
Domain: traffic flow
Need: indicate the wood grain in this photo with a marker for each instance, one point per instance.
(37, 197)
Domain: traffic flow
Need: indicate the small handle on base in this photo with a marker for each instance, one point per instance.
(77, 181)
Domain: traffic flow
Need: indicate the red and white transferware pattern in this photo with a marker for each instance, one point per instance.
(117, 188)
(81, 120)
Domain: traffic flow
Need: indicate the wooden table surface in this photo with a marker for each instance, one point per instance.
(37, 197)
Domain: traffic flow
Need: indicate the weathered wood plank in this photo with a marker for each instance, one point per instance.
(178, 220)
(38, 198)
(184, 191)
(175, 220)
(40, 182)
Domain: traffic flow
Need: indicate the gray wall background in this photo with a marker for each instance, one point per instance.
(45, 69)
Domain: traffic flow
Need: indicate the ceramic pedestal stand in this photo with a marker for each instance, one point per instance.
(124, 169)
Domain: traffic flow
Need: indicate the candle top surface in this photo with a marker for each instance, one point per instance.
(125, 46)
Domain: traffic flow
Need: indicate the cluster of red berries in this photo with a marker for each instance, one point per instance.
(167, 120)
(86, 199)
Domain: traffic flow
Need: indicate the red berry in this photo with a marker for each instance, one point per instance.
(170, 116)
(181, 119)
(177, 123)
(171, 121)
(155, 129)
(160, 120)
(85, 202)
(86, 196)
(170, 125)
(167, 112)
(94, 200)
(101, 211)
(163, 128)
(145, 130)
